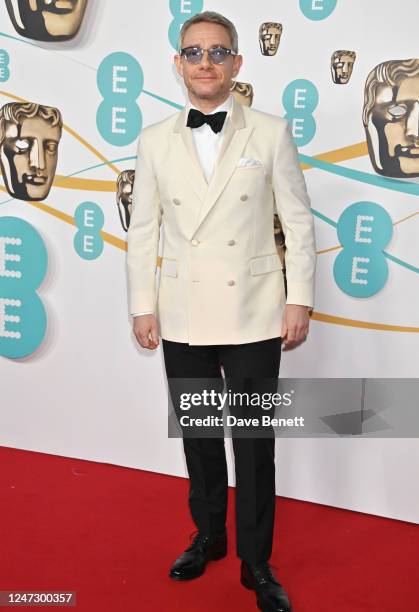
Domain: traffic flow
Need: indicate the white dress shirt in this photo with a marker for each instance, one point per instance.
(207, 144)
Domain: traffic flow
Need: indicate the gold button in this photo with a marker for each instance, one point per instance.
(231, 283)
(176, 201)
(244, 197)
(194, 242)
(231, 242)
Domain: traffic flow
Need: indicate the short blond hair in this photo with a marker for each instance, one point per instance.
(211, 17)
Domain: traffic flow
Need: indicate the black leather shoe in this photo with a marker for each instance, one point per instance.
(270, 594)
(192, 562)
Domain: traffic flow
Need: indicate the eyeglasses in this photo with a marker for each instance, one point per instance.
(217, 55)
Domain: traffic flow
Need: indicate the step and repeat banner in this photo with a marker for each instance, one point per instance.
(79, 79)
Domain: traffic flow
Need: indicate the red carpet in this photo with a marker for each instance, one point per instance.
(110, 534)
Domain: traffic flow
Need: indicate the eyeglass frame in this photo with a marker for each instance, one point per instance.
(230, 53)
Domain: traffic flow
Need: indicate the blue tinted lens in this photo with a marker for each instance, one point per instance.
(218, 55)
(193, 54)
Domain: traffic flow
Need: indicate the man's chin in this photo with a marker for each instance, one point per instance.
(206, 96)
(206, 93)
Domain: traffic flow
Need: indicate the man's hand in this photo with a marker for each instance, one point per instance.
(145, 330)
(295, 324)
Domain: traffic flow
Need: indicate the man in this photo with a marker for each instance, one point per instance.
(215, 173)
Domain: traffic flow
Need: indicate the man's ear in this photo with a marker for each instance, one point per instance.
(238, 61)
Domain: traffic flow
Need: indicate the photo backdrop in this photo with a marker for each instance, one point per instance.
(76, 87)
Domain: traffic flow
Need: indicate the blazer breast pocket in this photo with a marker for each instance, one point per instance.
(250, 170)
(265, 263)
(251, 174)
(248, 163)
(169, 267)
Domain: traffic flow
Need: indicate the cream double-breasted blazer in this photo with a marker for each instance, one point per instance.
(220, 280)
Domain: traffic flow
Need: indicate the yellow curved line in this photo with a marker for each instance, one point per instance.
(359, 149)
(84, 184)
(335, 248)
(73, 133)
(406, 218)
(326, 318)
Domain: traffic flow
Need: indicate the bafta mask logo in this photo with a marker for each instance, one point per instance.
(243, 92)
(391, 118)
(269, 37)
(29, 138)
(342, 65)
(125, 185)
(46, 20)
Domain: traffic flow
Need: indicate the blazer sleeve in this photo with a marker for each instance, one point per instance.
(292, 204)
(143, 234)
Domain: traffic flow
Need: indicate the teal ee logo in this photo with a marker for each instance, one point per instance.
(4, 66)
(300, 100)
(88, 242)
(364, 230)
(316, 10)
(182, 10)
(23, 265)
(120, 80)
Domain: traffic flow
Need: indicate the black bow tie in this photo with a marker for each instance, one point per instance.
(215, 121)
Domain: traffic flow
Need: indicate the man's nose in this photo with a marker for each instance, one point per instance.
(36, 156)
(413, 121)
(205, 61)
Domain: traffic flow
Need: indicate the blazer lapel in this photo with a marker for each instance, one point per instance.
(186, 159)
(234, 141)
(188, 165)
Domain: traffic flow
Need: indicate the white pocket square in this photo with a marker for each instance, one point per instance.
(248, 162)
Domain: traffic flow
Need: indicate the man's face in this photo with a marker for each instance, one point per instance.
(46, 20)
(342, 69)
(28, 157)
(393, 129)
(269, 38)
(207, 81)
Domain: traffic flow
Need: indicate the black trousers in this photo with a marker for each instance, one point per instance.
(253, 456)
